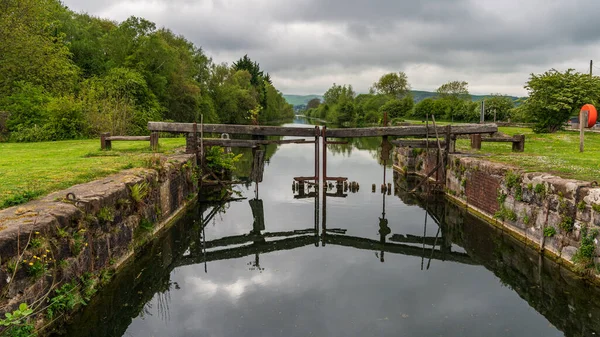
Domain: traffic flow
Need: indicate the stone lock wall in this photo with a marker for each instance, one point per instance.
(549, 212)
(88, 228)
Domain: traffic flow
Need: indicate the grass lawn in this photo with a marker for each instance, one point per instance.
(556, 153)
(28, 170)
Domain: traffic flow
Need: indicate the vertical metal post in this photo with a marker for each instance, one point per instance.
(482, 119)
(316, 156)
(324, 136)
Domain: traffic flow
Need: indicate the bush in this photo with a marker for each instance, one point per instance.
(66, 120)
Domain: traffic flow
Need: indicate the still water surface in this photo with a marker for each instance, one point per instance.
(338, 267)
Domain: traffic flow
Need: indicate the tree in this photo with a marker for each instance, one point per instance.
(455, 90)
(555, 96)
(393, 84)
(497, 107)
(397, 108)
(245, 63)
(424, 108)
(30, 48)
(313, 103)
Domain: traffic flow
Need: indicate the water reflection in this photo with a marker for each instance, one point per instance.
(328, 263)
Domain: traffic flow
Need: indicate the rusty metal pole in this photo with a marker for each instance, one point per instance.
(324, 136)
(316, 155)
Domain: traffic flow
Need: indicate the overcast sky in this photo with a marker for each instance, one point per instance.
(306, 45)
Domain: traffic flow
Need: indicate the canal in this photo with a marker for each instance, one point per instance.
(276, 262)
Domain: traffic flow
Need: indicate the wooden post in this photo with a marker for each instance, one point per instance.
(452, 143)
(154, 141)
(583, 121)
(476, 142)
(519, 146)
(190, 143)
(105, 144)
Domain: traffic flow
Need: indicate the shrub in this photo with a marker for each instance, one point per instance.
(549, 232)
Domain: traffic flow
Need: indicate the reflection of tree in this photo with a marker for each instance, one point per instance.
(244, 165)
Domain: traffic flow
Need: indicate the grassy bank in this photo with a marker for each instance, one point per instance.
(556, 153)
(28, 170)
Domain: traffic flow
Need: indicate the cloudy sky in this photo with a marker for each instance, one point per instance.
(306, 45)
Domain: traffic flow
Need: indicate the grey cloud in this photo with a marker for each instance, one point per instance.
(310, 39)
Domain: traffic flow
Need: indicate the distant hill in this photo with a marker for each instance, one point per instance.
(300, 99)
(418, 95)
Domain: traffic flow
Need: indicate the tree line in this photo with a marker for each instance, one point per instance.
(553, 98)
(391, 95)
(67, 75)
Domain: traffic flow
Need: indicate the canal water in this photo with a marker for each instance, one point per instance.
(279, 262)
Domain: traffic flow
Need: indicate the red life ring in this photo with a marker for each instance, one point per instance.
(592, 114)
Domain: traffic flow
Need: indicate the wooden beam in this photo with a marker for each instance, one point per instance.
(416, 143)
(251, 142)
(259, 130)
(500, 139)
(405, 131)
(133, 138)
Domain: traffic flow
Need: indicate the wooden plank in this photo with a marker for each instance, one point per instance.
(259, 130)
(500, 140)
(251, 142)
(133, 138)
(415, 130)
(416, 143)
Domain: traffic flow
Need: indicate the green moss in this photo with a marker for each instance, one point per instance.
(596, 208)
(518, 193)
(106, 214)
(549, 232)
(540, 189)
(512, 179)
(581, 206)
(501, 198)
(146, 225)
(506, 214)
(566, 224)
(584, 257)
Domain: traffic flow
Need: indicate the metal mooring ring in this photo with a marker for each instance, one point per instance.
(224, 136)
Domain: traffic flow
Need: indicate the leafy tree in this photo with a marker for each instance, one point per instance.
(65, 119)
(398, 107)
(245, 63)
(26, 106)
(499, 106)
(454, 90)
(313, 103)
(554, 96)
(119, 103)
(30, 49)
(393, 84)
(424, 108)
(338, 93)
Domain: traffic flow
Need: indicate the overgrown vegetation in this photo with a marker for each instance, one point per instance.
(139, 192)
(217, 159)
(555, 96)
(566, 224)
(67, 75)
(549, 232)
(584, 256)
